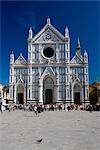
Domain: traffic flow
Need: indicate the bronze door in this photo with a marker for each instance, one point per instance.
(77, 98)
(20, 98)
(48, 96)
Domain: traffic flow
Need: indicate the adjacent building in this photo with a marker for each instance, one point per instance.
(94, 93)
(49, 75)
(1, 92)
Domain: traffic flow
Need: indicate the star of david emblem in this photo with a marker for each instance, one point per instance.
(21, 60)
(48, 36)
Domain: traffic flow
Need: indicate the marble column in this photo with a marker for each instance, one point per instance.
(41, 93)
(57, 83)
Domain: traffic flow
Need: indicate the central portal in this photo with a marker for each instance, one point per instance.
(48, 90)
(77, 94)
(77, 98)
(20, 98)
(48, 96)
(20, 94)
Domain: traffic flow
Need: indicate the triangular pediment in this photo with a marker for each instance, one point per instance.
(49, 34)
(48, 71)
(20, 81)
(76, 60)
(77, 81)
(20, 60)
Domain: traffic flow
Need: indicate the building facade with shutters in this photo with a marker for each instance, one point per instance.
(49, 75)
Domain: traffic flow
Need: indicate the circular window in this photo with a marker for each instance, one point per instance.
(48, 52)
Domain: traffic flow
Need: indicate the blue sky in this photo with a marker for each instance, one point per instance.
(82, 19)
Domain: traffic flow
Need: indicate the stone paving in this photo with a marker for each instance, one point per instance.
(74, 130)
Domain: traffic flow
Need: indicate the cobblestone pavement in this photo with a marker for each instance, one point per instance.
(74, 130)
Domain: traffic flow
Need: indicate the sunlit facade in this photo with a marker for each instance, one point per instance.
(49, 75)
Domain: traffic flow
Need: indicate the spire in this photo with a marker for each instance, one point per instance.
(48, 21)
(30, 33)
(78, 50)
(85, 53)
(66, 32)
(12, 52)
(12, 57)
(20, 54)
(85, 57)
(78, 44)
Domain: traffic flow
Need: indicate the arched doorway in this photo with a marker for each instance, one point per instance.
(77, 93)
(48, 90)
(20, 94)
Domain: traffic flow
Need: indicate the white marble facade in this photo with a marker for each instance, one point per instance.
(49, 75)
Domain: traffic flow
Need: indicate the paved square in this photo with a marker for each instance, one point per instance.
(74, 130)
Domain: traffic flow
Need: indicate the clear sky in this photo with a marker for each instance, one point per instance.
(82, 19)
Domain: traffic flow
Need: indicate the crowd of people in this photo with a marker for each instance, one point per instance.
(38, 108)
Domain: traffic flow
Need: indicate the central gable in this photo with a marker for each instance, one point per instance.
(48, 34)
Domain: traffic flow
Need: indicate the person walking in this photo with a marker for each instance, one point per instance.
(35, 110)
(1, 107)
(91, 108)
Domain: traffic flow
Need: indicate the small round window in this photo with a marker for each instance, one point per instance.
(48, 52)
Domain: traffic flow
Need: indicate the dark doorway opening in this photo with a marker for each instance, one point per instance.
(48, 96)
(77, 98)
(20, 98)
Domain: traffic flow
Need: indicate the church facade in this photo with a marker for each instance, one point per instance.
(49, 75)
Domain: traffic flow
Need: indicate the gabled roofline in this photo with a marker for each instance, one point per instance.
(21, 57)
(48, 26)
(80, 58)
(72, 59)
(77, 57)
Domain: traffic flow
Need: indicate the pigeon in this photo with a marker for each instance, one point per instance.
(39, 141)
(78, 120)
